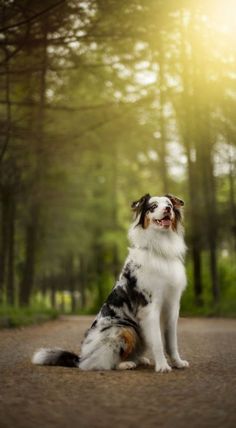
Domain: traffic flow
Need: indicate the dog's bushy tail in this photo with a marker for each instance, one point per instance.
(55, 357)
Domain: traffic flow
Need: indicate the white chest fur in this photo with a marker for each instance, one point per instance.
(159, 263)
(158, 275)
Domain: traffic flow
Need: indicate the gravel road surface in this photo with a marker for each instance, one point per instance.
(46, 397)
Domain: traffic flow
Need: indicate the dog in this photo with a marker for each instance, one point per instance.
(141, 313)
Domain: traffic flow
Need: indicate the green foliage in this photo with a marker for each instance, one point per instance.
(103, 101)
(17, 317)
(227, 304)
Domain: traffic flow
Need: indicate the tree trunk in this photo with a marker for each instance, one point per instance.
(52, 284)
(212, 230)
(27, 281)
(82, 281)
(100, 268)
(70, 278)
(4, 241)
(162, 150)
(232, 202)
(197, 273)
(214, 271)
(187, 126)
(11, 253)
(63, 303)
(5, 191)
(31, 240)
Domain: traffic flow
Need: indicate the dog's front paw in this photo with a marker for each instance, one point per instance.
(163, 368)
(180, 364)
(127, 365)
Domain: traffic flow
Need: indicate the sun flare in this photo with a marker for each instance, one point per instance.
(222, 14)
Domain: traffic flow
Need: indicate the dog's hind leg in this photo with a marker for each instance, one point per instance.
(126, 365)
(144, 361)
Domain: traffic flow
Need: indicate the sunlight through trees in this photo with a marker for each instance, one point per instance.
(102, 101)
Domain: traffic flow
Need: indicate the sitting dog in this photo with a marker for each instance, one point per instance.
(142, 310)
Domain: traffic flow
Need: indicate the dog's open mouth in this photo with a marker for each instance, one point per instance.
(163, 222)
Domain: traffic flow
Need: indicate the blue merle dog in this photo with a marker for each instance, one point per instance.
(140, 314)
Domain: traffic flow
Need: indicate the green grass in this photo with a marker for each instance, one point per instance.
(11, 317)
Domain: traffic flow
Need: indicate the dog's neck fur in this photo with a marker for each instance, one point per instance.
(164, 243)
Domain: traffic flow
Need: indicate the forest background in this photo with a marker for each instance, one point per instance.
(102, 101)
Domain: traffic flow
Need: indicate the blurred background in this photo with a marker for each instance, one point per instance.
(102, 101)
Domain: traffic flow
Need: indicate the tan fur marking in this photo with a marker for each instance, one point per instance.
(129, 337)
(146, 222)
(174, 223)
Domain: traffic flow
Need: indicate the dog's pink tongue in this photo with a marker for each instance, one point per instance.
(166, 222)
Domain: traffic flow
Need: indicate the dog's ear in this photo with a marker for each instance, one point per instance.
(140, 208)
(138, 205)
(177, 203)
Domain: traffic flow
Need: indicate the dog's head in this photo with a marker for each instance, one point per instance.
(158, 212)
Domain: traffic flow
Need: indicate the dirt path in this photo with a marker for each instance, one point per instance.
(42, 397)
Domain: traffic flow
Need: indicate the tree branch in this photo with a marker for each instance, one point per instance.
(32, 18)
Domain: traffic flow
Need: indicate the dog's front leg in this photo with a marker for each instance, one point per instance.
(170, 333)
(150, 324)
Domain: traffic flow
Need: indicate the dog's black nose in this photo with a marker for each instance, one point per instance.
(167, 209)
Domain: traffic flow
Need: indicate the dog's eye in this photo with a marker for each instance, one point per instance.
(153, 207)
